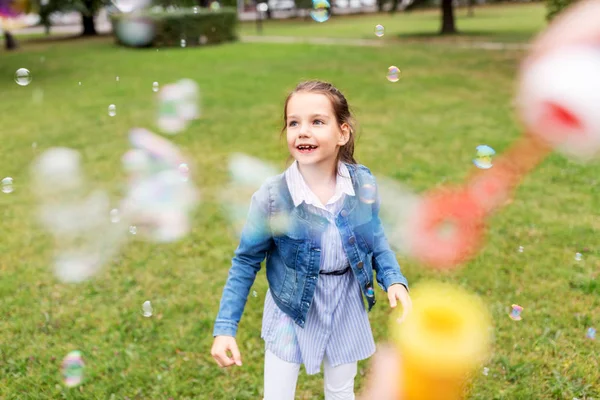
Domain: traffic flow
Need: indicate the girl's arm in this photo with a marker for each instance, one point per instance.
(255, 241)
(384, 259)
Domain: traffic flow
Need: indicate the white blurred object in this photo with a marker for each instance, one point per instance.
(247, 174)
(398, 204)
(135, 31)
(558, 101)
(127, 6)
(179, 103)
(84, 236)
(160, 195)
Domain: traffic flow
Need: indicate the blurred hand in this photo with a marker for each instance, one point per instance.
(398, 291)
(220, 347)
(383, 381)
(578, 25)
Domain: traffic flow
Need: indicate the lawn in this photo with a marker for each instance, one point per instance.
(508, 23)
(421, 131)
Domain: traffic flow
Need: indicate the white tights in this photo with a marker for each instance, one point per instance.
(281, 378)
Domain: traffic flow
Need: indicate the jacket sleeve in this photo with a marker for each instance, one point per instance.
(255, 242)
(384, 259)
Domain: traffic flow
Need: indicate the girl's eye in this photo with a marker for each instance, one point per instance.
(293, 123)
(319, 122)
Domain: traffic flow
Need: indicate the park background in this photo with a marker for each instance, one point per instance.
(455, 93)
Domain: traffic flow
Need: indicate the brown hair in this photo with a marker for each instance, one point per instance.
(341, 111)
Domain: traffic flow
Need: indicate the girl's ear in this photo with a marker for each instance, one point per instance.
(344, 134)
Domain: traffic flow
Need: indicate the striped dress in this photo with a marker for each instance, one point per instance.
(337, 324)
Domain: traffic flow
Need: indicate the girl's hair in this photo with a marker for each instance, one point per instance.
(341, 112)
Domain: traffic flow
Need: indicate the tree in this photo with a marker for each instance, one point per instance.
(556, 6)
(447, 8)
(87, 8)
(13, 9)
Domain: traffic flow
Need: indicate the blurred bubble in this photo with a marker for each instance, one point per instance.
(147, 308)
(79, 83)
(127, 6)
(158, 201)
(117, 79)
(578, 256)
(155, 87)
(367, 193)
(23, 77)
(483, 159)
(214, 6)
(195, 10)
(393, 74)
(591, 333)
(521, 249)
(7, 185)
(486, 371)
(185, 171)
(321, 10)
(398, 205)
(133, 229)
(34, 145)
(262, 7)
(135, 31)
(114, 216)
(515, 314)
(379, 30)
(183, 43)
(202, 39)
(254, 294)
(179, 103)
(370, 291)
(112, 110)
(84, 238)
(247, 174)
(72, 369)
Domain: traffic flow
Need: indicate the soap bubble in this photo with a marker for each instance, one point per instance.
(321, 10)
(214, 6)
(515, 314)
(127, 6)
(114, 216)
(591, 333)
(155, 87)
(133, 229)
(521, 249)
(136, 32)
(23, 77)
(367, 193)
(578, 256)
(147, 309)
(112, 110)
(483, 159)
(183, 43)
(195, 9)
(486, 371)
(7, 185)
(72, 369)
(379, 30)
(393, 74)
(254, 294)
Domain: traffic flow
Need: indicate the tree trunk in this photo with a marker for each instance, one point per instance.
(89, 28)
(471, 5)
(380, 4)
(9, 41)
(448, 26)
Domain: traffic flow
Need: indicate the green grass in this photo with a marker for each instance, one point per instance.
(421, 131)
(513, 23)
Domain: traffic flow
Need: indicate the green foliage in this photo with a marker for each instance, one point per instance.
(556, 6)
(201, 26)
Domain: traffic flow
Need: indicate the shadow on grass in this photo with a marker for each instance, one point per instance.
(466, 36)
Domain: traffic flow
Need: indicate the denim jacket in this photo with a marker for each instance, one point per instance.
(292, 250)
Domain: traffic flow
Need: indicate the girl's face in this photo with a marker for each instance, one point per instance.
(313, 134)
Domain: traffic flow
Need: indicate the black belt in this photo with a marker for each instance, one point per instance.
(337, 272)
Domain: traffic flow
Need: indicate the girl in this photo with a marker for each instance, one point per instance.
(317, 224)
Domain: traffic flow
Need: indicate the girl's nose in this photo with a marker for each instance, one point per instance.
(304, 131)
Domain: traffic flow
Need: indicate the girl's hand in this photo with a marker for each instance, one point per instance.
(220, 346)
(398, 291)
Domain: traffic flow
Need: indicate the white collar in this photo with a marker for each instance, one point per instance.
(301, 192)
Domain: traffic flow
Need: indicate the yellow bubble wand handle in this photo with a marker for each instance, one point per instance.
(445, 337)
